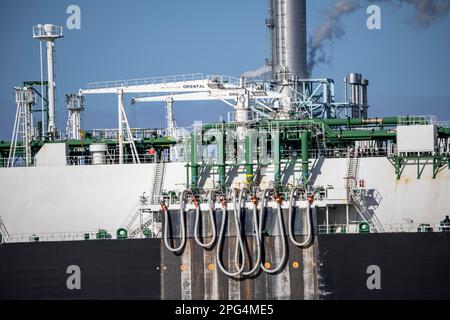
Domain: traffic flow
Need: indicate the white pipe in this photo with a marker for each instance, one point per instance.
(120, 125)
(51, 89)
(169, 118)
(42, 91)
(281, 227)
(239, 240)
(258, 243)
(213, 224)
(182, 227)
(12, 149)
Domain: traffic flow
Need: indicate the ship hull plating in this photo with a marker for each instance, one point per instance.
(411, 266)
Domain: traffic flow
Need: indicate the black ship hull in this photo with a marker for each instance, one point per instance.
(346, 266)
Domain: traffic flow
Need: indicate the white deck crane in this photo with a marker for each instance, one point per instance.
(193, 87)
(215, 89)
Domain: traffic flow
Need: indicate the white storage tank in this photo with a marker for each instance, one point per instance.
(98, 151)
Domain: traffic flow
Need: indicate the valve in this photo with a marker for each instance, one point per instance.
(163, 206)
(195, 201)
(223, 201)
(278, 199)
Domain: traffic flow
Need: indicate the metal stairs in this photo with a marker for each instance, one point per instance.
(158, 181)
(3, 231)
(146, 224)
(133, 215)
(141, 206)
(357, 195)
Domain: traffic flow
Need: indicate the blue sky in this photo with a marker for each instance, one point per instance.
(408, 67)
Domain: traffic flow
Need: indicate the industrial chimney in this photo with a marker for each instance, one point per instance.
(287, 25)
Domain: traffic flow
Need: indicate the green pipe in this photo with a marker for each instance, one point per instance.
(248, 160)
(194, 165)
(276, 157)
(364, 134)
(187, 175)
(361, 122)
(221, 159)
(444, 132)
(305, 156)
(330, 122)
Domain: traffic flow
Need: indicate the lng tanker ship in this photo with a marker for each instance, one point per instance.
(295, 196)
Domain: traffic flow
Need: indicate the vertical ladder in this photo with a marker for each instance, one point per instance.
(356, 196)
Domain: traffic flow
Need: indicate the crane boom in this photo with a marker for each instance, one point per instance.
(220, 94)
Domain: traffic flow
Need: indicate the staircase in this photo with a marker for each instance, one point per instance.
(3, 231)
(158, 180)
(149, 223)
(357, 196)
(141, 206)
(134, 214)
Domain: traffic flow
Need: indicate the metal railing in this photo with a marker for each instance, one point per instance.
(49, 236)
(443, 124)
(183, 155)
(138, 133)
(111, 234)
(417, 120)
(226, 80)
(387, 228)
(47, 31)
(145, 81)
(110, 159)
(66, 236)
(340, 153)
(251, 116)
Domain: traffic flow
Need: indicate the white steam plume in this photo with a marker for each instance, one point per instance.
(426, 12)
(258, 72)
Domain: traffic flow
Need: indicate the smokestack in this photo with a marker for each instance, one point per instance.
(287, 23)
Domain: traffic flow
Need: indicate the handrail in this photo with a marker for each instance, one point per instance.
(145, 81)
(387, 228)
(162, 80)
